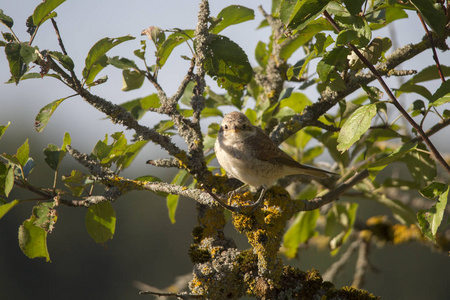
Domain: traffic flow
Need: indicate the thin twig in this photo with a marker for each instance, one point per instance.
(362, 264)
(391, 96)
(178, 295)
(331, 273)
(430, 38)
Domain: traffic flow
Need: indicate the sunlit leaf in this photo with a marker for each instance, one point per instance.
(23, 152)
(6, 179)
(44, 11)
(297, 14)
(430, 220)
(170, 43)
(3, 129)
(7, 207)
(46, 215)
(77, 182)
(96, 59)
(44, 115)
(355, 126)
(101, 221)
(172, 200)
(33, 240)
(300, 231)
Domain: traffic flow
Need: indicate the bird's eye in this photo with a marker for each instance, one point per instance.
(225, 127)
(244, 126)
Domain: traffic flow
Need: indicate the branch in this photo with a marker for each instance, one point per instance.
(430, 38)
(272, 81)
(178, 295)
(391, 96)
(329, 98)
(362, 264)
(305, 205)
(331, 273)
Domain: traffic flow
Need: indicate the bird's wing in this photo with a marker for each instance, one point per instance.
(263, 148)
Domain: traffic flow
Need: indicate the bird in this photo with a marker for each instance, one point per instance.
(247, 153)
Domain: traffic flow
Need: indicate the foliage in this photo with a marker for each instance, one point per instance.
(359, 132)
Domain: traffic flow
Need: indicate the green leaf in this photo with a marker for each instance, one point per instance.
(96, 59)
(63, 59)
(355, 126)
(131, 80)
(172, 200)
(403, 213)
(155, 34)
(432, 13)
(129, 154)
(354, 6)
(314, 27)
(170, 43)
(346, 36)
(6, 179)
(46, 215)
(7, 20)
(429, 73)
(101, 221)
(44, 11)
(421, 165)
(297, 14)
(431, 219)
(410, 87)
(231, 15)
(138, 107)
(122, 63)
(442, 94)
(23, 152)
(17, 65)
(377, 166)
(333, 60)
(227, 63)
(53, 156)
(7, 207)
(261, 54)
(44, 115)
(301, 230)
(340, 220)
(3, 129)
(33, 239)
(77, 182)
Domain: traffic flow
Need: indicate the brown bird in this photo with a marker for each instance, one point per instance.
(248, 154)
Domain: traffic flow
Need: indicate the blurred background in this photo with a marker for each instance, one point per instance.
(147, 247)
